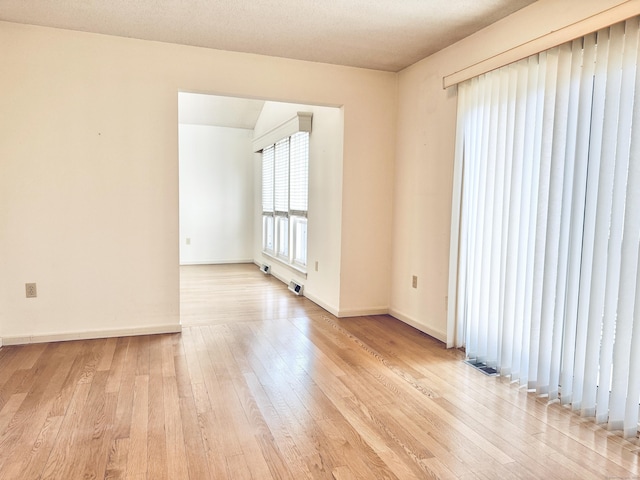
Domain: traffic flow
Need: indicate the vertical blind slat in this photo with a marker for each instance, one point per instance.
(629, 248)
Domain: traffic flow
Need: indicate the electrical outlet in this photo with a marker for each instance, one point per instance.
(414, 281)
(31, 290)
(316, 265)
(188, 241)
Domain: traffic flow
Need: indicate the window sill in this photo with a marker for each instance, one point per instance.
(291, 267)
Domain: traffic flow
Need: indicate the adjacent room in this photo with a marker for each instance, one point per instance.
(365, 239)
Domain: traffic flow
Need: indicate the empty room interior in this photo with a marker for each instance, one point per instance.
(343, 240)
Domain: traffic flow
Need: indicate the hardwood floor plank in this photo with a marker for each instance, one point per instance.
(106, 359)
(157, 462)
(279, 430)
(167, 349)
(138, 438)
(174, 436)
(142, 361)
(117, 364)
(343, 472)
(65, 445)
(123, 382)
(93, 434)
(193, 444)
(47, 377)
(256, 405)
(32, 465)
(211, 439)
(117, 460)
(237, 467)
(9, 409)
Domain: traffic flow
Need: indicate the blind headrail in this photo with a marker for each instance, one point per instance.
(300, 123)
(544, 42)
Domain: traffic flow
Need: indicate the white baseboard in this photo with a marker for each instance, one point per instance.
(329, 308)
(91, 335)
(440, 335)
(362, 312)
(332, 309)
(216, 262)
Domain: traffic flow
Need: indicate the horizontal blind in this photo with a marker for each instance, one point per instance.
(282, 176)
(268, 155)
(299, 172)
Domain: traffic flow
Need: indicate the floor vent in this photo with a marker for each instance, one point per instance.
(295, 287)
(482, 367)
(266, 269)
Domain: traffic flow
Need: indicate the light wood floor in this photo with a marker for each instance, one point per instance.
(265, 385)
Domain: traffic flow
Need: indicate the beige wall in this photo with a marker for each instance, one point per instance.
(89, 174)
(425, 153)
(88, 171)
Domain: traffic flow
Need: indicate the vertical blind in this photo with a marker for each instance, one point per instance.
(548, 288)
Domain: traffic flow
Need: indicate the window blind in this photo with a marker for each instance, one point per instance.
(285, 172)
(281, 200)
(299, 172)
(268, 159)
(548, 290)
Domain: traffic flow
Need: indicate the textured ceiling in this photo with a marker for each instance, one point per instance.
(378, 34)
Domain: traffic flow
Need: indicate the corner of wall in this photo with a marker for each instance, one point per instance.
(437, 334)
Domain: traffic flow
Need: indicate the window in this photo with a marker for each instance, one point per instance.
(548, 284)
(285, 178)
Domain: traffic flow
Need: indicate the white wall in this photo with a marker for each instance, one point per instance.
(324, 226)
(425, 153)
(89, 174)
(216, 195)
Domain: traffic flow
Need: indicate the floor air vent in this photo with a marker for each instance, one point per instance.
(482, 367)
(295, 287)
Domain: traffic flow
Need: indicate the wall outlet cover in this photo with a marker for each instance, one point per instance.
(31, 290)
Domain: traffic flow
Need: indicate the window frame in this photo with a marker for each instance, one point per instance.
(280, 238)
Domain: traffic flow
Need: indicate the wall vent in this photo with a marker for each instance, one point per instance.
(266, 269)
(295, 287)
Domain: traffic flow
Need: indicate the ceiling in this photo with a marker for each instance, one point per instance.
(386, 35)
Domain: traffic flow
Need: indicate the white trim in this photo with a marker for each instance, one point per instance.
(329, 308)
(544, 42)
(294, 268)
(437, 334)
(362, 312)
(281, 278)
(454, 239)
(217, 262)
(336, 312)
(92, 335)
(300, 123)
